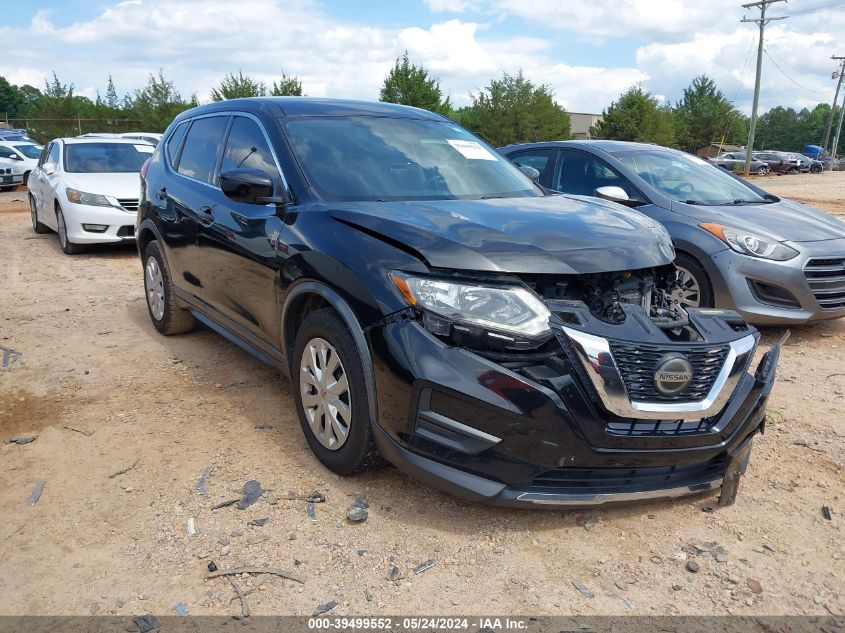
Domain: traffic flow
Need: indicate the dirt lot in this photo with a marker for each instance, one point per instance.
(105, 393)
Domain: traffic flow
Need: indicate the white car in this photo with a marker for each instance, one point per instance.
(149, 137)
(86, 189)
(21, 156)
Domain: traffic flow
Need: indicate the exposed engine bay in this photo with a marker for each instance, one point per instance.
(603, 294)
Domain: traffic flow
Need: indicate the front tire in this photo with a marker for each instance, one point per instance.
(37, 225)
(68, 247)
(331, 395)
(695, 289)
(167, 316)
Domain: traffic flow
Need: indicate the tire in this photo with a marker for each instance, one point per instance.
(815, 169)
(763, 171)
(37, 225)
(165, 313)
(690, 269)
(68, 247)
(26, 178)
(356, 451)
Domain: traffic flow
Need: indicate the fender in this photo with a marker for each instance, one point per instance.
(147, 225)
(339, 304)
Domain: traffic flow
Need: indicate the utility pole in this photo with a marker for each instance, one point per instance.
(761, 22)
(836, 138)
(833, 105)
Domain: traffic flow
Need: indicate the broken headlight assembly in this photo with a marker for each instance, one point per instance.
(477, 315)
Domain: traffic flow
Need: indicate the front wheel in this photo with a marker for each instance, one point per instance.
(694, 289)
(68, 247)
(330, 394)
(763, 171)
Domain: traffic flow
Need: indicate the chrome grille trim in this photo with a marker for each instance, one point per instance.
(128, 204)
(600, 365)
(826, 277)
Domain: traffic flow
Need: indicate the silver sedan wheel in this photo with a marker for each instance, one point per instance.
(324, 388)
(154, 281)
(687, 292)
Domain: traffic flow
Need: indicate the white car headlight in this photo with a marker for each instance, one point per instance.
(749, 243)
(92, 199)
(514, 310)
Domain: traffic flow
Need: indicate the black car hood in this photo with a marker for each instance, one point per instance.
(560, 235)
(784, 220)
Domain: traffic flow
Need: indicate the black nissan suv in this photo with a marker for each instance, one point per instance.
(435, 308)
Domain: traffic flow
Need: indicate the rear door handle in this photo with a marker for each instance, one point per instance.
(206, 215)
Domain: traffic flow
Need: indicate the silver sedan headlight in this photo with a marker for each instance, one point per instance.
(752, 244)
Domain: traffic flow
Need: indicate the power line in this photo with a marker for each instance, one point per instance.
(816, 9)
(783, 72)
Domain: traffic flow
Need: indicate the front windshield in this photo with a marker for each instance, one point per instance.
(100, 158)
(376, 158)
(687, 178)
(30, 151)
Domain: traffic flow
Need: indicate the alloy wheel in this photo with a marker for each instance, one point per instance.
(154, 281)
(324, 388)
(688, 292)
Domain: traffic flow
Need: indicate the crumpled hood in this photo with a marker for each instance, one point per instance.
(785, 220)
(560, 235)
(109, 184)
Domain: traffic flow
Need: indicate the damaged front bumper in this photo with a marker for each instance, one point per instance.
(539, 437)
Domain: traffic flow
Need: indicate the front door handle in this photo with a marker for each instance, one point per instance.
(206, 215)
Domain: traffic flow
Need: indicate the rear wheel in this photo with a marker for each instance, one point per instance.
(694, 289)
(762, 171)
(37, 226)
(330, 394)
(167, 316)
(68, 247)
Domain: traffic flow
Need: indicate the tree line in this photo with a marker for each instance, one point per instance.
(510, 109)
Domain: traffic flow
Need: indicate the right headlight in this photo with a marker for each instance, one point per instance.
(511, 310)
(752, 244)
(82, 197)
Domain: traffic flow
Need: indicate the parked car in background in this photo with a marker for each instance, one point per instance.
(86, 189)
(772, 260)
(22, 156)
(152, 138)
(805, 164)
(15, 135)
(735, 162)
(777, 163)
(433, 306)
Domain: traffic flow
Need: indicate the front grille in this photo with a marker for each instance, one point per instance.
(130, 204)
(826, 277)
(637, 363)
(631, 427)
(612, 480)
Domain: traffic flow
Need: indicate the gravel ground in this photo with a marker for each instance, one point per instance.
(104, 393)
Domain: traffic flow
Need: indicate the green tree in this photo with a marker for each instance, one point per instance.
(157, 103)
(236, 86)
(704, 115)
(111, 96)
(11, 99)
(636, 116)
(515, 110)
(288, 86)
(411, 85)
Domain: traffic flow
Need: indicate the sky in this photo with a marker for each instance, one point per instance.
(587, 51)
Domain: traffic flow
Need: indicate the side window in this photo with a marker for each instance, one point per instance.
(44, 153)
(199, 155)
(581, 174)
(6, 152)
(539, 159)
(246, 147)
(53, 156)
(175, 141)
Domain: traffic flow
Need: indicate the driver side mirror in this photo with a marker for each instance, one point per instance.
(612, 193)
(48, 168)
(533, 174)
(250, 186)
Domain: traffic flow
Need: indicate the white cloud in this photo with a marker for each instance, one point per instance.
(453, 6)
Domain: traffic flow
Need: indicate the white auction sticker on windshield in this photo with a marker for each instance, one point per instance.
(471, 150)
(145, 149)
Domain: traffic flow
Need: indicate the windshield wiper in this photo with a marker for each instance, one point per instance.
(491, 197)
